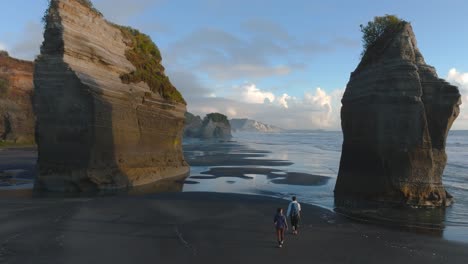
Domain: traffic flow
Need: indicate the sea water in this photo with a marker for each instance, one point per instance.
(318, 153)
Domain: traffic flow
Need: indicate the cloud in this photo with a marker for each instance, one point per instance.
(229, 72)
(188, 84)
(224, 56)
(3, 46)
(283, 100)
(251, 94)
(460, 79)
(261, 49)
(120, 11)
(28, 42)
(314, 110)
(267, 28)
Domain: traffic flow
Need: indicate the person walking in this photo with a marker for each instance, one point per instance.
(281, 225)
(294, 214)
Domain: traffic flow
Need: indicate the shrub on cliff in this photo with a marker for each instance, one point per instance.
(146, 58)
(375, 29)
(215, 117)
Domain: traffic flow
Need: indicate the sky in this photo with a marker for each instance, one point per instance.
(284, 63)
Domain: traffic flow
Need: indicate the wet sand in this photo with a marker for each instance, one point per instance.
(198, 228)
(17, 168)
(276, 176)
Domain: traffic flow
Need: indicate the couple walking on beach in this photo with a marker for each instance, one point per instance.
(281, 223)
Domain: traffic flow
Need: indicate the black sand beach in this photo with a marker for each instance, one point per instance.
(198, 228)
(194, 227)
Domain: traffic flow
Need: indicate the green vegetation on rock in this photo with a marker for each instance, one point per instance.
(380, 26)
(146, 58)
(215, 117)
(189, 118)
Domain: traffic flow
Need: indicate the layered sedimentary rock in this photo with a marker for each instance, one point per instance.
(395, 117)
(107, 115)
(16, 90)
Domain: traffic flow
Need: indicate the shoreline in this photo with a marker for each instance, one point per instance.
(199, 227)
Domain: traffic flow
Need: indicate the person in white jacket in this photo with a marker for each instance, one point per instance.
(294, 214)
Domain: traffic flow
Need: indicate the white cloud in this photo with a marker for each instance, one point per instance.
(28, 42)
(251, 94)
(121, 11)
(283, 100)
(226, 71)
(320, 98)
(313, 110)
(460, 79)
(3, 46)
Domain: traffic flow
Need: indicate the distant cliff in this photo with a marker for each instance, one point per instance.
(107, 115)
(193, 125)
(214, 125)
(395, 118)
(16, 91)
(248, 125)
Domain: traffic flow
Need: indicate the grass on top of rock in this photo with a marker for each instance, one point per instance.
(380, 26)
(376, 35)
(146, 58)
(215, 117)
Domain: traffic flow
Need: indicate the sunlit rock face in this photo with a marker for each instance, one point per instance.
(395, 117)
(16, 91)
(95, 129)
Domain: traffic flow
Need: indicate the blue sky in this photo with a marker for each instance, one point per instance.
(281, 62)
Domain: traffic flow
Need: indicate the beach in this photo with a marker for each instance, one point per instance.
(199, 228)
(223, 212)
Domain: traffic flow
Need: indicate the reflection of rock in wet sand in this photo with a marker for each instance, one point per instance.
(290, 178)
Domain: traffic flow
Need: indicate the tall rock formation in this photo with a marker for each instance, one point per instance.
(107, 115)
(16, 90)
(395, 118)
(215, 125)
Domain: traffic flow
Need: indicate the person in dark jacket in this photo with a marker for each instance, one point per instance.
(281, 225)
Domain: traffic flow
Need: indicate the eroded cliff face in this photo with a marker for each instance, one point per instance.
(16, 90)
(395, 117)
(96, 129)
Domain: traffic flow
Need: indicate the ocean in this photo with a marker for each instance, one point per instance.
(305, 164)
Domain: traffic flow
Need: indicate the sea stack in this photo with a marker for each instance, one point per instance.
(215, 125)
(107, 115)
(16, 90)
(395, 117)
